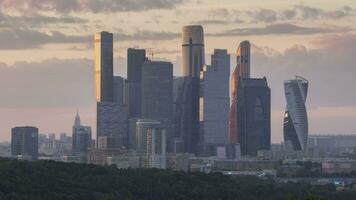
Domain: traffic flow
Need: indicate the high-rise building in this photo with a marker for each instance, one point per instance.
(157, 95)
(186, 114)
(215, 102)
(295, 126)
(253, 116)
(119, 85)
(81, 139)
(104, 66)
(151, 141)
(187, 90)
(111, 113)
(135, 59)
(112, 124)
(24, 142)
(242, 70)
(193, 53)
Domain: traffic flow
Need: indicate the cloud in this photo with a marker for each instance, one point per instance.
(298, 12)
(263, 15)
(281, 29)
(95, 6)
(52, 82)
(27, 38)
(329, 68)
(36, 20)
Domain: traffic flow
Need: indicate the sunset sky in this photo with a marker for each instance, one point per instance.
(47, 68)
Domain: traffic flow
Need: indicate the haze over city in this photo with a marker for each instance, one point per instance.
(47, 53)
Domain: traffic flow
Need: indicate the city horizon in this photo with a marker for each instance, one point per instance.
(47, 88)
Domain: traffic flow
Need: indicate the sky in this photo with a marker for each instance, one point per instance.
(47, 68)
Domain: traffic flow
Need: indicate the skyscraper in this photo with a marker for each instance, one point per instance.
(242, 70)
(111, 113)
(215, 102)
(104, 66)
(119, 88)
(157, 94)
(193, 53)
(135, 59)
(24, 142)
(81, 139)
(253, 116)
(295, 126)
(187, 89)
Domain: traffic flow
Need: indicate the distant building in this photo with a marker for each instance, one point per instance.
(81, 139)
(111, 112)
(49, 146)
(187, 99)
(151, 141)
(24, 142)
(104, 66)
(193, 53)
(242, 70)
(112, 123)
(186, 115)
(157, 95)
(215, 102)
(253, 116)
(119, 88)
(135, 59)
(331, 145)
(295, 126)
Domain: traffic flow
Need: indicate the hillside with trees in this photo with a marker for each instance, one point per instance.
(49, 180)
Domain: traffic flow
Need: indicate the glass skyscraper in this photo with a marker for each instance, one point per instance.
(295, 126)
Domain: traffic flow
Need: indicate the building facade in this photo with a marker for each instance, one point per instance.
(112, 123)
(82, 141)
(104, 66)
(215, 102)
(135, 60)
(253, 116)
(24, 142)
(295, 125)
(151, 142)
(119, 90)
(157, 95)
(242, 70)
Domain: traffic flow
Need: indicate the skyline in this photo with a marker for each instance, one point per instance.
(71, 87)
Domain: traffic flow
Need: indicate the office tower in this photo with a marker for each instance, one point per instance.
(135, 59)
(295, 126)
(119, 85)
(81, 139)
(253, 116)
(112, 124)
(104, 66)
(111, 113)
(151, 141)
(186, 110)
(157, 95)
(193, 53)
(24, 142)
(242, 70)
(186, 114)
(215, 102)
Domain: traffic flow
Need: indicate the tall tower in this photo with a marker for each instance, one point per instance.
(111, 115)
(295, 126)
(104, 66)
(242, 70)
(157, 95)
(188, 93)
(193, 50)
(135, 59)
(215, 102)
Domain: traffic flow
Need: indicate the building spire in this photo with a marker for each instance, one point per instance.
(77, 120)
